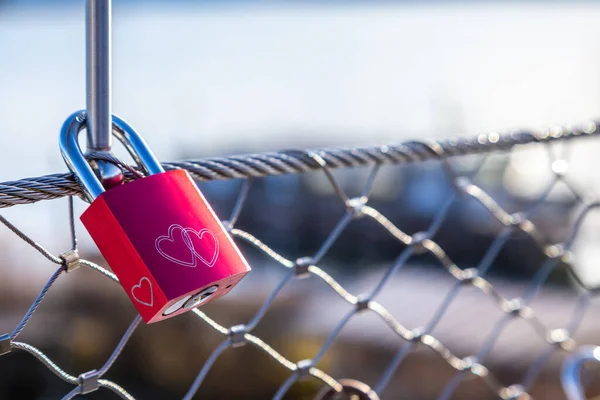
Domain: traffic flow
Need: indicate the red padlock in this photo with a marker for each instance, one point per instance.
(158, 233)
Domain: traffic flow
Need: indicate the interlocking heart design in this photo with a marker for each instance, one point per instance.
(143, 293)
(173, 245)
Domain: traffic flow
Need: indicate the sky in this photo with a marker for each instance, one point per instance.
(205, 80)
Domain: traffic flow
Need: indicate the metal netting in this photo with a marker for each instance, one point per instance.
(511, 220)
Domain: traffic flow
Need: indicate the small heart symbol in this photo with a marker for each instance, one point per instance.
(168, 246)
(144, 294)
(204, 233)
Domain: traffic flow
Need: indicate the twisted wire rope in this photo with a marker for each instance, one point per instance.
(47, 187)
(251, 166)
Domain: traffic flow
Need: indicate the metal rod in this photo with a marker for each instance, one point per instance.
(73, 156)
(98, 80)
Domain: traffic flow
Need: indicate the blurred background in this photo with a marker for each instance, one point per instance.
(209, 78)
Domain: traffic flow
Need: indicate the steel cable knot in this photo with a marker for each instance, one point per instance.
(515, 392)
(513, 306)
(517, 219)
(416, 334)
(462, 183)
(355, 206)
(468, 276)
(561, 338)
(472, 365)
(301, 267)
(362, 303)
(303, 367)
(418, 240)
(237, 335)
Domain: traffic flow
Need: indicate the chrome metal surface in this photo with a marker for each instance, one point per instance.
(71, 259)
(176, 306)
(73, 156)
(98, 74)
(200, 297)
(98, 87)
(88, 381)
(136, 146)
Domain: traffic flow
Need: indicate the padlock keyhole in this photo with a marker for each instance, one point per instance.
(192, 301)
(200, 297)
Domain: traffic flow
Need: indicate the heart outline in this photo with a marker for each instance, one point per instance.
(139, 286)
(200, 235)
(185, 235)
(169, 237)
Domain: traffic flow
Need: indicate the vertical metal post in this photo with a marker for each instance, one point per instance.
(98, 79)
(98, 87)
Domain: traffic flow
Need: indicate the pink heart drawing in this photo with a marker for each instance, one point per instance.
(200, 235)
(171, 248)
(144, 294)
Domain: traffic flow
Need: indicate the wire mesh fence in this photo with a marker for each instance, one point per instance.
(464, 164)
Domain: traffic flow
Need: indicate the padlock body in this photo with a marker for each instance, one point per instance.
(164, 242)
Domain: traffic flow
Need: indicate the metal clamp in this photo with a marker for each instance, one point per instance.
(71, 260)
(417, 240)
(304, 367)
(468, 276)
(362, 303)
(355, 206)
(461, 183)
(237, 335)
(88, 381)
(515, 392)
(416, 334)
(570, 374)
(301, 267)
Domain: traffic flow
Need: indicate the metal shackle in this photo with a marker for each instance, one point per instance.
(75, 159)
(571, 371)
